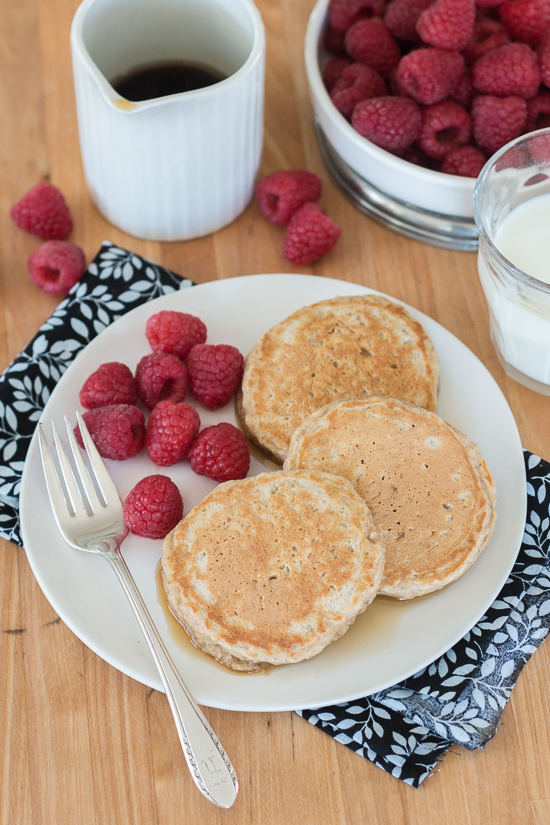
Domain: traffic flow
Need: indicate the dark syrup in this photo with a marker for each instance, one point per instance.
(161, 79)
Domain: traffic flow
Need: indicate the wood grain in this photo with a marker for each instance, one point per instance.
(82, 744)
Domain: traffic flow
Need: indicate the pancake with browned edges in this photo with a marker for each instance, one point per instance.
(270, 569)
(427, 486)
(339, 348)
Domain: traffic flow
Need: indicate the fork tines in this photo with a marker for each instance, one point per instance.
(83, 487)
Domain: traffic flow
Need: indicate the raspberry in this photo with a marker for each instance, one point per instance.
(357, 82)
(174, 332)
(118, 431)
(333, 42)
(111, 383)
(414, 154)
(526, 20)
(538, 112)
(220, 452)
(448, 24)
(43, 212)
(159, 377)
(429, 75)
(401, 17)
(281, 194)
(343, 13)
(445, 126)
(56, 266)
(215, 372)
(310, 235)
(153, 507)
(391, 122)
(370, 42)
(463, 93)
(509, 70)
(170, 430)
(488, 4)
(488, 34)
(543, 53)
(467, 162)
(497, 120)
(333, 69)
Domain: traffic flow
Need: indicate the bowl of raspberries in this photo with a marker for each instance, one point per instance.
(412, 97)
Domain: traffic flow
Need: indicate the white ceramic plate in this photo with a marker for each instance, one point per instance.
(391, 640)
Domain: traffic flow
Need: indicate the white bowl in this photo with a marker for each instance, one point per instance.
(399, 186)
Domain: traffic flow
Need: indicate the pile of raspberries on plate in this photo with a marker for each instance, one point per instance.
(180, 360)
(443, 84)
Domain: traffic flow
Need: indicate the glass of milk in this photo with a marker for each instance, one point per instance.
(512, 213)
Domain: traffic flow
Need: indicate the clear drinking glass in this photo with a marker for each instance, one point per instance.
(518, 302)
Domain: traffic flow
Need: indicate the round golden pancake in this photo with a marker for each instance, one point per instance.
(339, 348)
(427, 486)
(271, 569)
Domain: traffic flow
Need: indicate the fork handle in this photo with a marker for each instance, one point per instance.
(210, 766)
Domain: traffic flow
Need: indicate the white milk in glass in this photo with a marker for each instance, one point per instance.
(520, 323)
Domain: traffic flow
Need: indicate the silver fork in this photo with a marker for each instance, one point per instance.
(88, 512)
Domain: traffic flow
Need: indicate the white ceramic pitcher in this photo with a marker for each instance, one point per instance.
(181, 166)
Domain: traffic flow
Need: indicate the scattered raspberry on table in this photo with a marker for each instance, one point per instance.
(57, 266)
(159, 377)
(43, 211)
(174, 332)
(153, 507)
(118, 431)
(220, 452)
(215, 372)
(111, 383)
(281, 194)
(310, 235)
(170, 431)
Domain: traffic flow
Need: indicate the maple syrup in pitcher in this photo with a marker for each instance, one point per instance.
(167, 78)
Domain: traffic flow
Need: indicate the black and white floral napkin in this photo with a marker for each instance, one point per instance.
(405, 729)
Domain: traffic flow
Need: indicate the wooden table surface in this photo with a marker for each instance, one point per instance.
(81, 743)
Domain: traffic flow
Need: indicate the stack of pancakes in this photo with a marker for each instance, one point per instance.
(377, 494)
